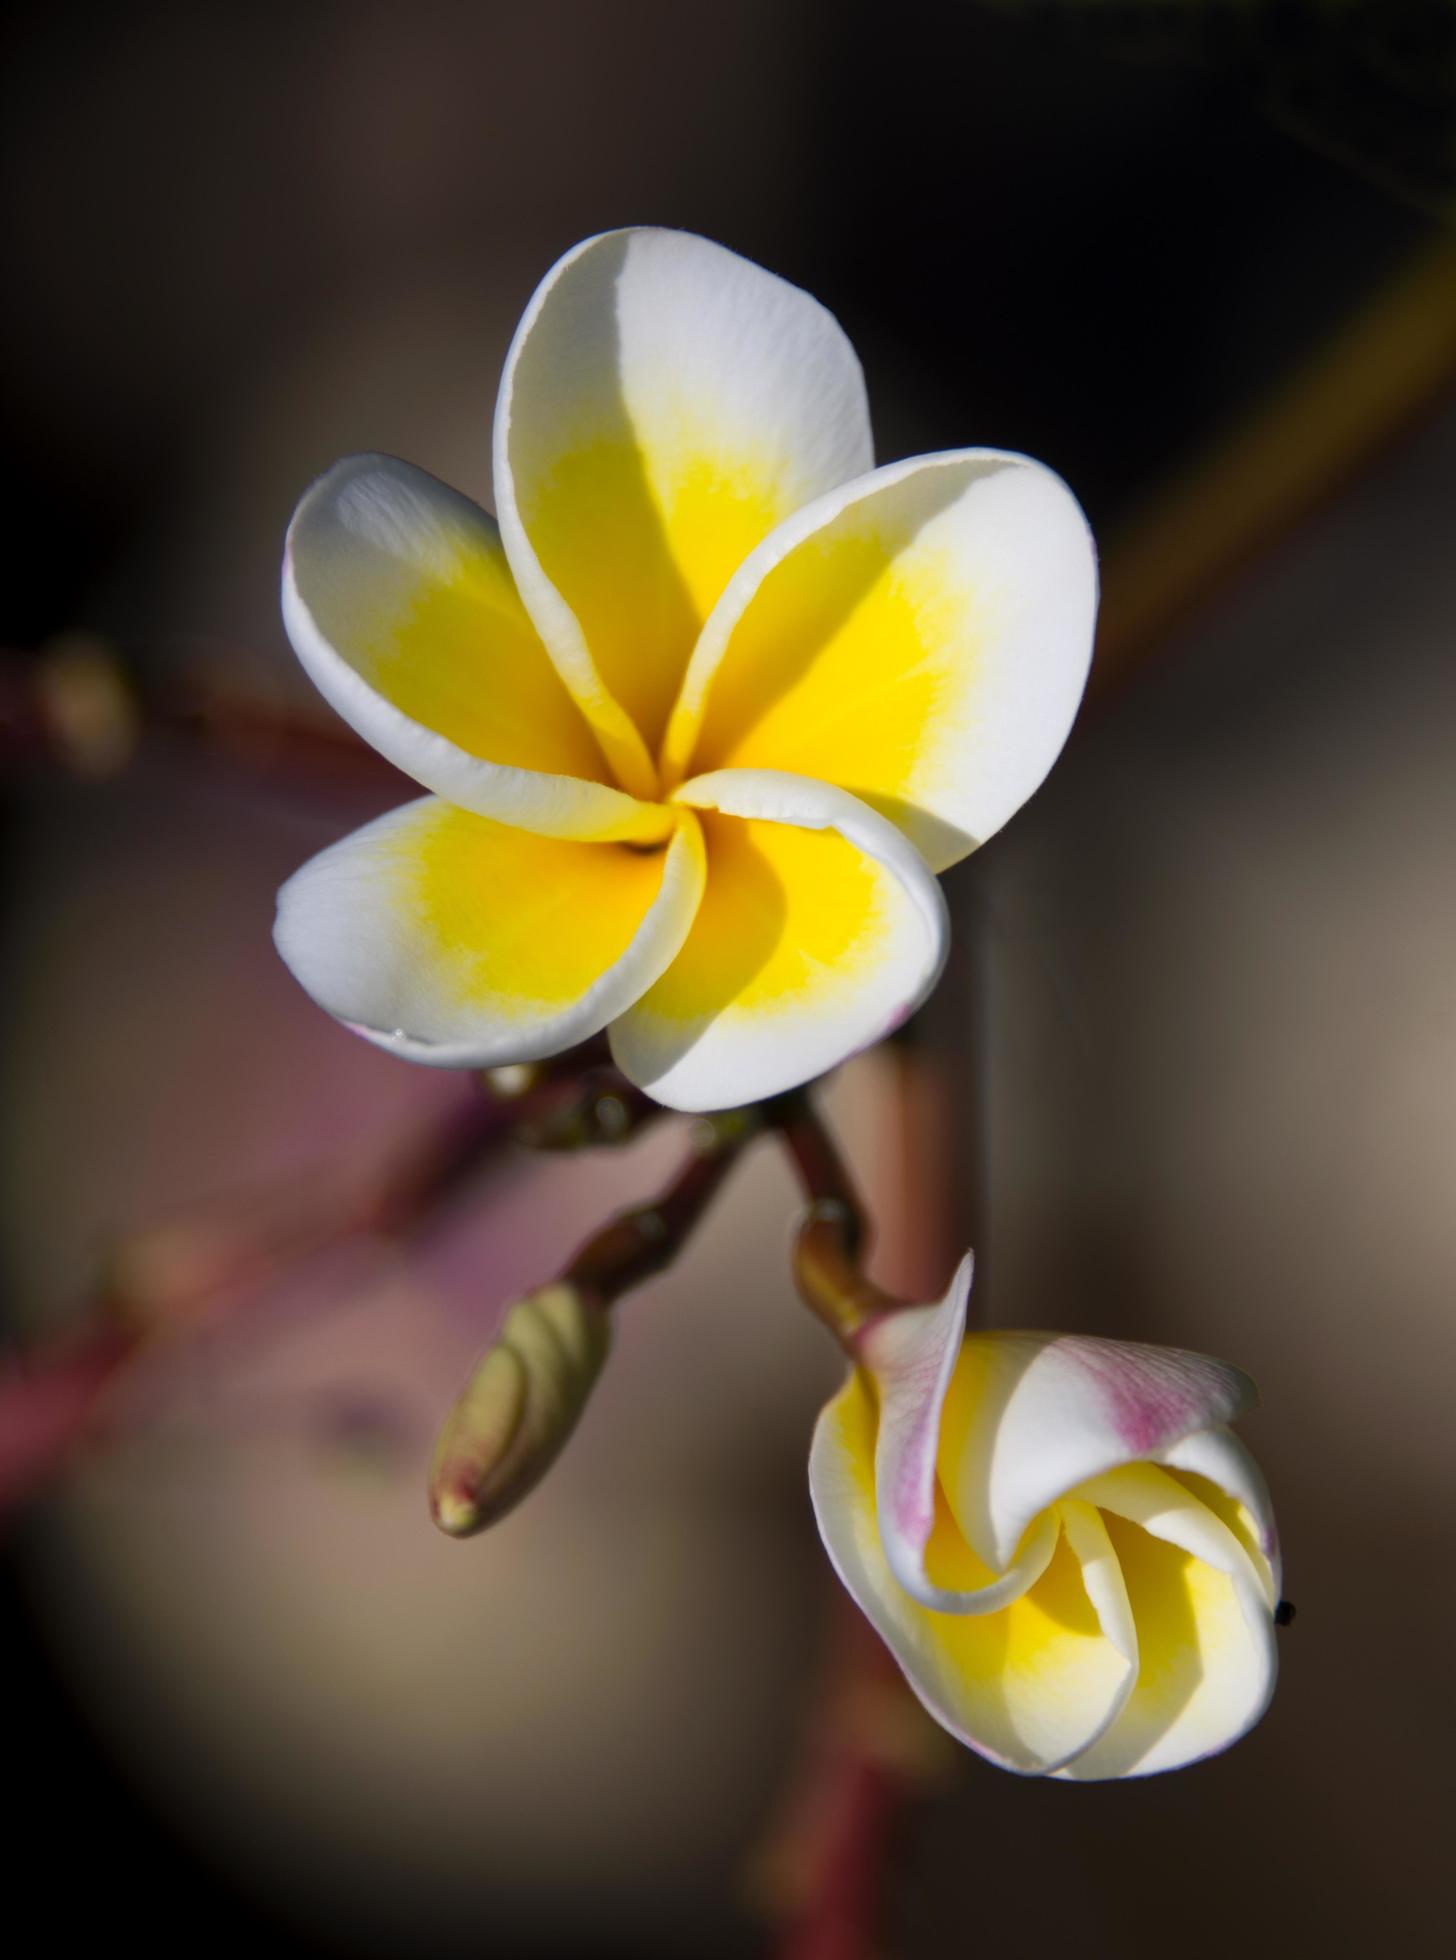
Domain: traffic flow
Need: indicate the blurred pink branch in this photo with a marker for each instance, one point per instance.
(227, 1258)
(821, 1874)
(47, 1403)
(824, 1870)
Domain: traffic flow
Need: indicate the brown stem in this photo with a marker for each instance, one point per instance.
(603, 1108)
(647, 1238)
(834, 1234)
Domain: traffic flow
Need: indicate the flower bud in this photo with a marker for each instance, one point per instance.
(518, 1408)
(1059, 1538)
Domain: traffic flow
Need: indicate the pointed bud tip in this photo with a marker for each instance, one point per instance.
(518, 1408)
(455, 1513)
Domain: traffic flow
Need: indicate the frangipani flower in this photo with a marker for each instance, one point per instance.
(1061, 1542)
(703, 716)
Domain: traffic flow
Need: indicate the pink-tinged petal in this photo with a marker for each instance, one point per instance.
(1029, 1415)
(911, 1356)
(1028, 1687)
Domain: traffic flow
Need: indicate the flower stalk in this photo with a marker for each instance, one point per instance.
(645, 1239)
(527, 1392)
(834, 1234)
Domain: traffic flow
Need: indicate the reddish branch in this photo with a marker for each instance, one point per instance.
(47, 1401)
(646, 1239)
(871, 1748)
(79, 707)
(228, 1258)
(834, 1234)
(826, 1866)
(868, 1750)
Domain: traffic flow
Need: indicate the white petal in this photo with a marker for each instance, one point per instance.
(920, 637)
(665, 403)
(1207, 1654)
(399, 602)
(453, 940)
(1223, 1474)
(910, 1354)
(820, 931)
(1028, 1416)
(1101, 1574)
(1029, 1686)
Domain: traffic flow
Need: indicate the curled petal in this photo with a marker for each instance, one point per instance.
(1208, 1659)
(453, 940)
(820, 931)
(664, 404)
(910, 1356)
(1149, 1496)
(1223, 1474)
(1029, 1416)
(919, 637)
(1089, 1539)
(401, 606)
(1030, 1686)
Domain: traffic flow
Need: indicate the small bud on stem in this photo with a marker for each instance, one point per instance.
(528, 1391)
(518, 1408)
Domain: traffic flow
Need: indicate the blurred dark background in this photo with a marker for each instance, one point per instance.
(1197, 1051)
